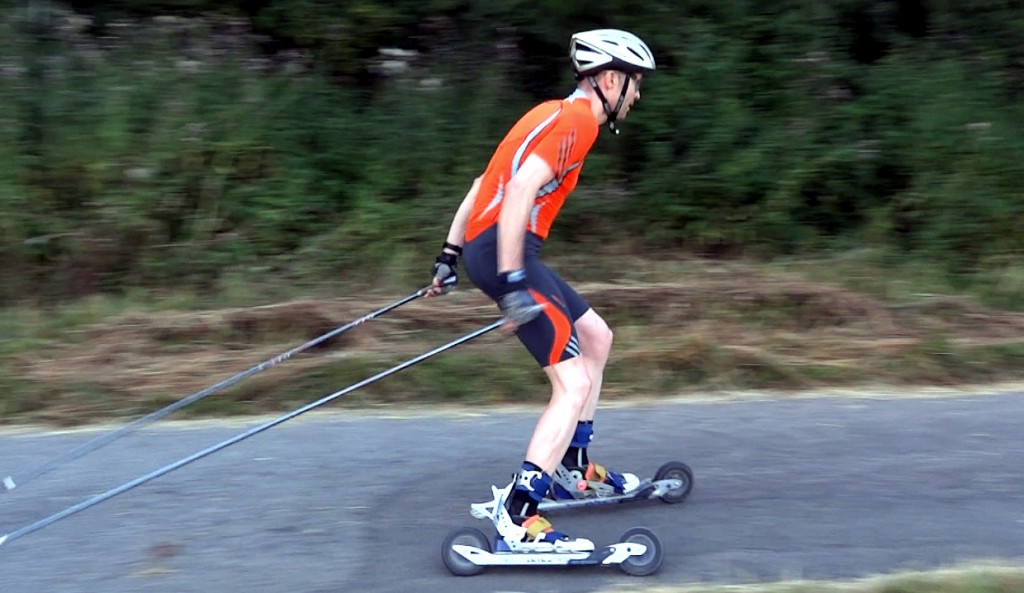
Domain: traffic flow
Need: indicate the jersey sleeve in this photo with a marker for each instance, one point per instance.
(568, 142)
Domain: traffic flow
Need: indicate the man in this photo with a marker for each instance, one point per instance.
(499, 230)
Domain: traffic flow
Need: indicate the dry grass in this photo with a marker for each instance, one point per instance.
(745, 329)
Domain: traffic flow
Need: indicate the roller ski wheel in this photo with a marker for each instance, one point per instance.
(649, 561)
(470, 540)
(672, 483)
(467, 552)
(679, 472)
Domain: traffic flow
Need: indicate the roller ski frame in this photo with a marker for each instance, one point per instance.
(467, 551)
(672, 483)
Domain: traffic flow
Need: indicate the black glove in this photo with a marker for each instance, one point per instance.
(516, 303)
(446, 268)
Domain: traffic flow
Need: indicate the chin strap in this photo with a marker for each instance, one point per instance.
(613, 114)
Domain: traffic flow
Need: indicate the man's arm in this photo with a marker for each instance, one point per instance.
(516, 303)
(457, 231)
(520, 195)
(456, 236)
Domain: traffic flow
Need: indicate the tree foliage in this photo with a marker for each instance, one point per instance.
(164, 143)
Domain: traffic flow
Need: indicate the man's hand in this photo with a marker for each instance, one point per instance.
(445, 272)
(517, 305)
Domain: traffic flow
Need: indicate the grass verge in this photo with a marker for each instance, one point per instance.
(680, 328)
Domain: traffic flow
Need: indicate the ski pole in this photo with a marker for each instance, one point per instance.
(20, 479)
(239, 437)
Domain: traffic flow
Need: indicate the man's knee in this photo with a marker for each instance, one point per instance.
(596, 336)
(579, 388)
(605, 336)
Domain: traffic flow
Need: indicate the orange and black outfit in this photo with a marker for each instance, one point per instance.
(561, 133)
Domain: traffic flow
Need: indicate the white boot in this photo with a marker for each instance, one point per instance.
(594, 481)
(532, 534)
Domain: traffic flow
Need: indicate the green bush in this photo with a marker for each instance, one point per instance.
(138, 150)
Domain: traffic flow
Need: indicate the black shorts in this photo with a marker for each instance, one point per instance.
(551, 337)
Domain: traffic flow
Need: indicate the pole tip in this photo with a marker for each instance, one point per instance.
(3, 538)
(9, 483)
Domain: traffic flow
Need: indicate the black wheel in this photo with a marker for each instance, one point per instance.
(457, 563)
(648, 562)
(676, 470)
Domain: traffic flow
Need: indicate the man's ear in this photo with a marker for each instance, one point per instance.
(610, 78)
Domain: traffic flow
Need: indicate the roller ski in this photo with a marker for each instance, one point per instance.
(533, 541)
(596, 486)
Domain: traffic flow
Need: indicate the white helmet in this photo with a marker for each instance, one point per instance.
(609, 49)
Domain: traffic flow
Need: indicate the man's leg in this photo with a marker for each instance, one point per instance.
(595, 344)
(594, 339)
(552, 341)
(571, 387)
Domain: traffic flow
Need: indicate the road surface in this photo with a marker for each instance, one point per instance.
(805, 488)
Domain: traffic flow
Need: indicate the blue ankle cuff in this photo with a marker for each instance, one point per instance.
(533, 481)
(584, 434)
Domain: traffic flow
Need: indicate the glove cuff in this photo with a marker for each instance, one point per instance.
(448, 259)
(512, 281)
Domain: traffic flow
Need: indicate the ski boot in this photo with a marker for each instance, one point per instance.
(529, 534)
(592, 481)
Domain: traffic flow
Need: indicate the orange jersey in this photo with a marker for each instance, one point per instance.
(561, 133)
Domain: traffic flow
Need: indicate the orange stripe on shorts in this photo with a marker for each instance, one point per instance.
(560, 321)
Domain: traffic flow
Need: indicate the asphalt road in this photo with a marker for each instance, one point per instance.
(808, 488)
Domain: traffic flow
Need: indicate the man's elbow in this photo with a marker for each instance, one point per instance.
(517, 187)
